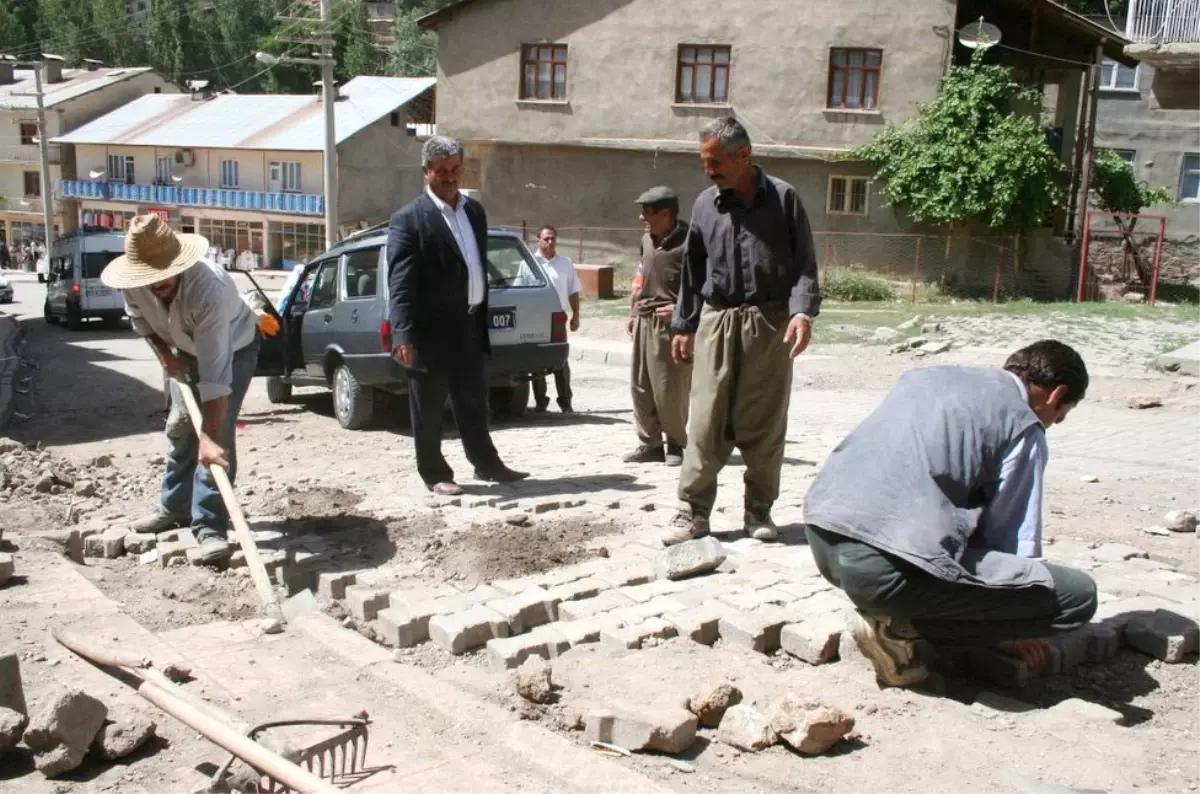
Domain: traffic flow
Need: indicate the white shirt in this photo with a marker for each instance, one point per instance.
(561, 272)
(207, 319)
(460, 226)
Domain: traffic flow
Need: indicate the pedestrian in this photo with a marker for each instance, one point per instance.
(561, 272)
(659, 384)
(929, 514)
(439, 315)
(189, 311)
(747, 299)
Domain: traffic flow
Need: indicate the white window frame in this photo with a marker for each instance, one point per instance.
(164, 166)
(121, 168)
(1111, 83)
(285, 176)
(846, 208)
(229, 174)
(1183, 172)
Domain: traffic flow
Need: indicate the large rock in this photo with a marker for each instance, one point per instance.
(690, 558)
(710, 702)
(1180, 521)
(637, 727)
(532, 680)
(63, 730)
(12, 728)
(809, 727)
(123, 735)
(747, 729)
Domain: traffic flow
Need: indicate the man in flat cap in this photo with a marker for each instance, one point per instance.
(660, 384)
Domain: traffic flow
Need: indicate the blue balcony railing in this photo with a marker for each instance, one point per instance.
(171, 196)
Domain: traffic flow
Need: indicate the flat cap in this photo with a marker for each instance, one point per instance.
(656, 195)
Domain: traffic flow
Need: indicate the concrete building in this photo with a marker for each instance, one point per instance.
(570, 110)
(246, 170)
(72, 97)
(139, 12)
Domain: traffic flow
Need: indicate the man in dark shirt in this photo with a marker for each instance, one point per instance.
(746, 304)
(660, 385)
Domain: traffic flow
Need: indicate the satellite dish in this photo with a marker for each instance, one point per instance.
(96, 173)
(978, 35)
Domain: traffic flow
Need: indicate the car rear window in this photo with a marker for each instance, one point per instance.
(510, 265)
(95, 262)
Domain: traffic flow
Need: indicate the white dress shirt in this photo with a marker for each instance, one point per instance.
(561, 271)
(460, 226)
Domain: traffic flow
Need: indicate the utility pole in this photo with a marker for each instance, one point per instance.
(43, 152)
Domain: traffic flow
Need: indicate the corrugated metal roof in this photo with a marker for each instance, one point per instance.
(280, 122)
(75, 83)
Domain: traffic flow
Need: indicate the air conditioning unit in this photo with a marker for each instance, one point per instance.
(184, 157)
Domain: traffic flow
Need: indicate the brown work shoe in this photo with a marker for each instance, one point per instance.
(159, 521)
(891, 656)
(645, 453)
(685, 525)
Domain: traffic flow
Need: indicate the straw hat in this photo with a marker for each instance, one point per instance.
(153, 252)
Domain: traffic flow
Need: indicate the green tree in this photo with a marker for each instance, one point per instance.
(65, 28)
(229, 35)
(1116, 190)
(968, 157)
(121, 45)
(414, 53)
(357, 51)
(13, 35)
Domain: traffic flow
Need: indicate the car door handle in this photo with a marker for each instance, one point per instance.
(354, 315)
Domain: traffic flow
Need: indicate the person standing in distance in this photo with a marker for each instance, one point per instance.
(561, 272)
(747, 300)
(436, 249)
(660, 385)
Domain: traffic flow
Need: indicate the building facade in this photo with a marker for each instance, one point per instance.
(246, 171)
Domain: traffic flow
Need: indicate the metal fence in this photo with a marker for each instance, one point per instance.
(1164, 21)
(1121, 255)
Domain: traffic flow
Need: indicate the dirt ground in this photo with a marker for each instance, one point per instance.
(341, 501)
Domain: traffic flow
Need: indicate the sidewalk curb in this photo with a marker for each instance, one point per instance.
(12, 334)
(600, 355)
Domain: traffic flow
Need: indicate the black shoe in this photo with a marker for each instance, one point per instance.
(674, 455)
(540, 407)
(566, 408)
(646, 454)
(500, 474)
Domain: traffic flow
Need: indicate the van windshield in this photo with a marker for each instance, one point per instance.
(94, 262)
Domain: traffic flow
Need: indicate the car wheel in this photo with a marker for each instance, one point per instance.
(279, 391)
(353, 403)
(74, 317)
(47, 315)
(510, 401)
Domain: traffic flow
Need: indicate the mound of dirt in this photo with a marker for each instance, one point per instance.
(501, 551)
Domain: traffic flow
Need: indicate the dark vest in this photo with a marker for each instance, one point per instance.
(913, 478)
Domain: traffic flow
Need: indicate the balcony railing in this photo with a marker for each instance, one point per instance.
(173, 196)
(28, 154)
(1164, 21)
(32, 204)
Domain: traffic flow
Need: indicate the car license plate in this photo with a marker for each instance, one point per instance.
(504, 319)
(99, 292)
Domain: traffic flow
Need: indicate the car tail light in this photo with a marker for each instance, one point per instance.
(75, 289)
(558, 327)
(385, 336)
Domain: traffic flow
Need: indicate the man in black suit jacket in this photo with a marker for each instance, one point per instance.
(437, 261)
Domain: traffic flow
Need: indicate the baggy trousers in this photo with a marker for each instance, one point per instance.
(951, 613)
(562, 385)
(659, 384)
(741, 387)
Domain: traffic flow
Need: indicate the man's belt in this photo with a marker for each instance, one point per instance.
(723, 305)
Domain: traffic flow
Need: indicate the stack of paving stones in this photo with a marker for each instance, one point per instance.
(763, 597)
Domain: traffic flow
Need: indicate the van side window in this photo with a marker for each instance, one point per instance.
(361, 273)
(324, 291)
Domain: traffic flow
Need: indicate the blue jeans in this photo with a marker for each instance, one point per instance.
(188, 489)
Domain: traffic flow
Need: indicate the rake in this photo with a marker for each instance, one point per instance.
(336, 759)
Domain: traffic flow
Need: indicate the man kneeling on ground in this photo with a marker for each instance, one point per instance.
(929, 514)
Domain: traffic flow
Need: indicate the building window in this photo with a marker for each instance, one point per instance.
(295, 243)
(544, 71)
(229, 173)
(120, 168)
(284, 176)
(232, 237)
(28, 133)
(1117, 76)
(163, 169)
(33, 183)
(394, 118)
(1189, 178)
(854, 79)
(703, 74)
(847, 195)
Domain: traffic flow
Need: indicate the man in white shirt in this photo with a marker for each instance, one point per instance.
(202, 332)
(561, 272)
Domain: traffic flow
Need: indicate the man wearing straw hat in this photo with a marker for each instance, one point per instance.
(202, 332)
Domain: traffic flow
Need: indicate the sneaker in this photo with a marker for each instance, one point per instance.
(674, 455)
(684, 526)
(890, 655)
(213, 549)
(160, 521)
(758, 523)
(646, 454)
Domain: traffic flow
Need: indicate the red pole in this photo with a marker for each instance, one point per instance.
(1158, 247)
(996, 282)
(1083, 255)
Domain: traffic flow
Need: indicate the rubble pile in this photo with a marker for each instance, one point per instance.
(37, 475)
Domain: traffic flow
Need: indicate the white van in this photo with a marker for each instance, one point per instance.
(74, 292)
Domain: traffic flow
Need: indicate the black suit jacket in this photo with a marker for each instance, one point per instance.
(427, 280)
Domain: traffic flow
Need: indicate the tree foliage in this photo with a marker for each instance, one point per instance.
(65, 28)
(15, 37)
(120, 42)
(1116, 190)
(357, 51)
(969, 156)
(414, 53)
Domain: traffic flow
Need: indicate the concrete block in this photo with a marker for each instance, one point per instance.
(747, 729)
(63, 729)
(7, 568)
(93, 547)
(648, 591)
(762, 578)
(654, 608)
(175, 544)
(1167, 636)
(12, 692)
(364, 602)
(69, 541)
(748, 600)
(758, 630)
(815, 640)
(712, 700)
(800, 589)
(1104, 640)
(113, 542)
(580, 589)
(507, 653)
(333, 584)
(999, 668)
(509, 587)
(690, 558)
(698, 624)
(578, 632)
(405, 626)
(810, 728)
(639, 727)
(632, 636)
(1073, 647)
(140, 542)
(468, 630)
(528, 609)
(590, 607)
(629, 575)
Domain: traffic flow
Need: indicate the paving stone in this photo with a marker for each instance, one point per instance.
(815, 640)
(749, 600)
(364, 602)
(1104, 640)
(333, 584)
(641, 727)
(650, 590)
(63, 729)
(514, 586)
(12, 692)
(405, 626)
(699, 624)
(633, 635)
(527, 609)
(999, 668)
(747, 729)
(7, 568)
(629, 575)
(69, 541)
(800, 589)
(572, 573)
(578, 632)
(756, 630)
(507, 653)
(1165, 635)
(140, 542)
(113, 541)
(12, 728)
(467, 630)
(1073, 648)
(174, 545)
(763, 578)
(690, 558)
(93, 547)
(590, 607)
(580, 589)
(654, 608)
